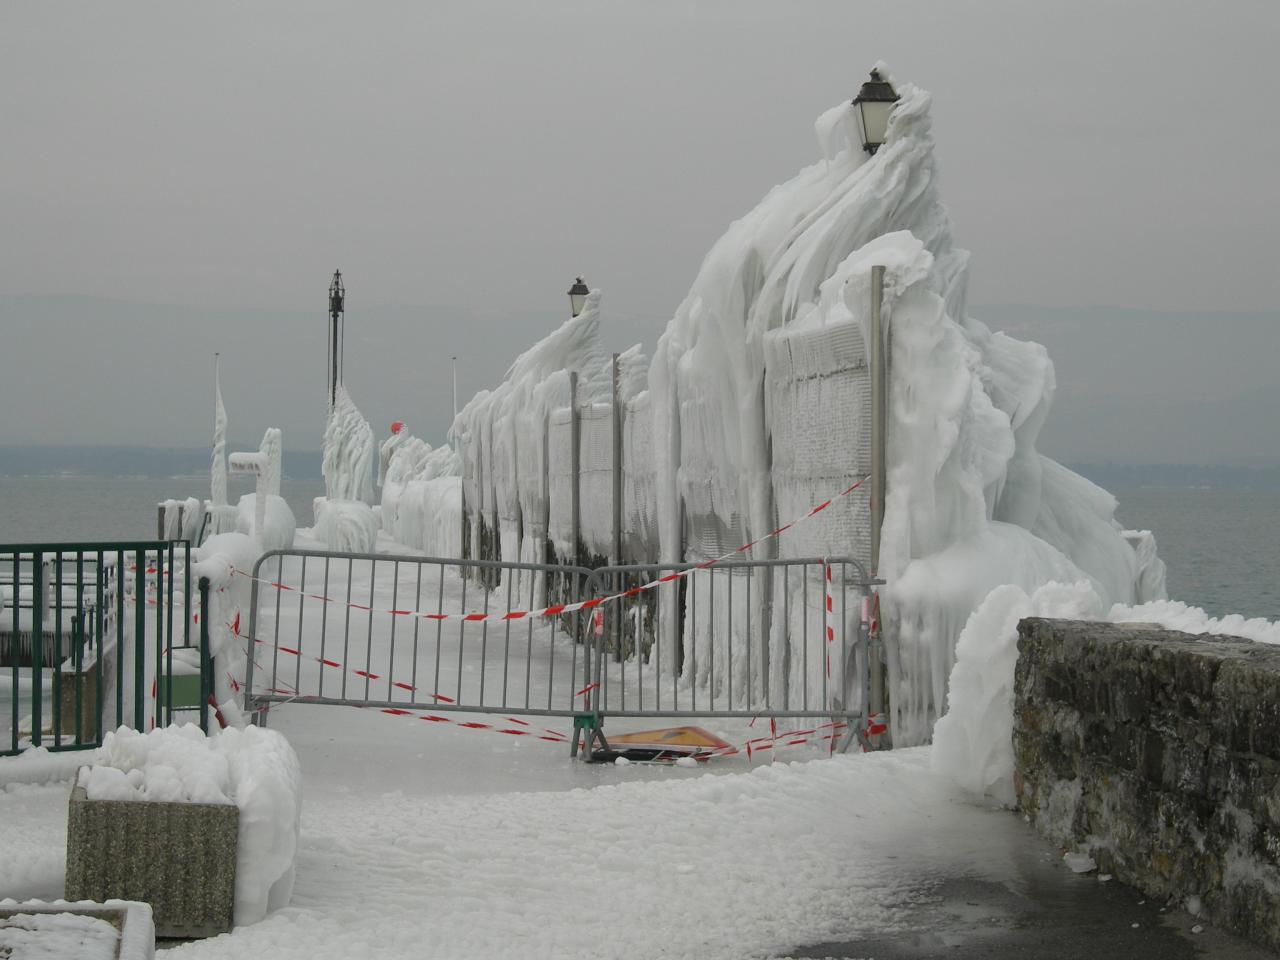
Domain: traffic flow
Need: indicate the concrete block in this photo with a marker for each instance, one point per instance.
(178, 857)
(34, 924)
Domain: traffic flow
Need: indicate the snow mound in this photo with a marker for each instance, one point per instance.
(280, 523)
(346, 525)
(254, 768)
(171, 765)
(973, 741)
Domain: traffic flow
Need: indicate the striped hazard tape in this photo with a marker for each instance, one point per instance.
(557, 609)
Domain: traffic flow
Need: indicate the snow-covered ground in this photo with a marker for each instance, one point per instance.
(430, 841)
(438, 840)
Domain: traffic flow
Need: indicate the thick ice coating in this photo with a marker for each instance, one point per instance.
(756, 408)
(971, 504)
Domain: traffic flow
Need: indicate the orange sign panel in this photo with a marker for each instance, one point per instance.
(687, 738)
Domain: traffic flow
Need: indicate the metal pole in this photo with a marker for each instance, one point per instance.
(879, 478)
(206, 666)
(574, 429)
(617, 464)
(454, 361)
(333, 352)
(879, 411)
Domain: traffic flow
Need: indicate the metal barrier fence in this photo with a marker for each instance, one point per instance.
(742, 638)
(84, 627)
(347, 628)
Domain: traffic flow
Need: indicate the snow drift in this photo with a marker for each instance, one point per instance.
(973, 741)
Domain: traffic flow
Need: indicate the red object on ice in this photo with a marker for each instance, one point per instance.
(397, 426)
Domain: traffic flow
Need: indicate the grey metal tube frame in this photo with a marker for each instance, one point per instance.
(573, 583)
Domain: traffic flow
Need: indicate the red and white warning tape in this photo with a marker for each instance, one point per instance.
(561, 608)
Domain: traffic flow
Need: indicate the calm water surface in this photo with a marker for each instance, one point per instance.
(48, 509)
(1221, 546)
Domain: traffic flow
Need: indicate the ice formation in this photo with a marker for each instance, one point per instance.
(345, 525)
(217, 559)
(348, 452)
(421, 494)
(218, 467)
(971, 504)
(749, 416)
(222, 517)
(278, 522)
(183, 519)
(973, 741)
(510, 476)
(256, 769)
(265, 514)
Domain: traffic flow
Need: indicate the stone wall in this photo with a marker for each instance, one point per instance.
(1158, 752)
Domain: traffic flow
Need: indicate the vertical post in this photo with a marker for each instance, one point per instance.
(159, 521)
(617, 465)
(260, 504)
(879, 415)
(206, 666)
(575, 429)
(38, 600)
(333, 358)
(879, 477)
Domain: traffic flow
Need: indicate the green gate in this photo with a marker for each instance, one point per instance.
(98, 635)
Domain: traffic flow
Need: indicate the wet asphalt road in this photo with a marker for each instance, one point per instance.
(1041, 911)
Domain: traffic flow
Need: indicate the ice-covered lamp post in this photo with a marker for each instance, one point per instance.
(874, 103)
(577, 296)
(337, 303)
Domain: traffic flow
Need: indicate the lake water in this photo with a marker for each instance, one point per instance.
(47, 509)
(1221, 546)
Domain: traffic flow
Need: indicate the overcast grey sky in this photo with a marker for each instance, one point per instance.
(475, 156)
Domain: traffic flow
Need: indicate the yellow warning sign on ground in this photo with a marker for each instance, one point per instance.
(682, 738)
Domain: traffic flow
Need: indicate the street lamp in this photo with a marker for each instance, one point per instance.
(577, 297)
(874, 104)
(337, 319)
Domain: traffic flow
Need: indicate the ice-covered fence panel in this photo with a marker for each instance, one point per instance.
(639, 482)
(818, 410)
(506, 485)
(595, 482)
(560, 479)
(713, 522)
(348, 452)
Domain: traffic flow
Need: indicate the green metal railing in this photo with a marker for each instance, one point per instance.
(88, 636)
